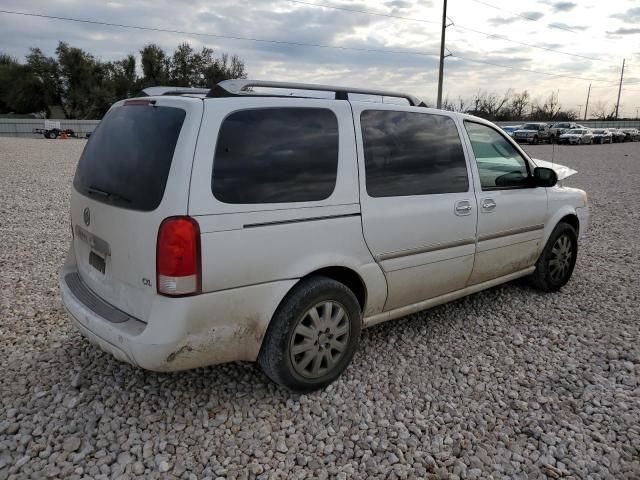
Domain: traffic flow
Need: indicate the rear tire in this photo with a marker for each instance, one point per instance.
(558, 259)
(313, 335)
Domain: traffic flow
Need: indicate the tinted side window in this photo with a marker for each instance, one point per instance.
(500, 165)
(409, 153)
(274, 155)
(126, 161)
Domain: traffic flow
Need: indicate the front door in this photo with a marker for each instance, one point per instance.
(511, 213)
(418, 206)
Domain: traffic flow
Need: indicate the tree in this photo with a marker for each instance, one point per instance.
(519, 104)
(20, 90)
(79, 76)
(224, 68)
(489, 105)
(47, 70)
(603, 110)
(186, 67)
(548, 110)
(155, 65)
(85, 87)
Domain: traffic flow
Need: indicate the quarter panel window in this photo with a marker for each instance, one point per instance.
(275, 155)
(409, 153)
(500, 165)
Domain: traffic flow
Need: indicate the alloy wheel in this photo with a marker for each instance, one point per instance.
(561, 257)
(319, 339)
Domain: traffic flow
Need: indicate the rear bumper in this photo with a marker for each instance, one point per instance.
(181, 333)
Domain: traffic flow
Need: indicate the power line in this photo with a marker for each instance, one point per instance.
(283, 42)
(214, 35)
(455, 25)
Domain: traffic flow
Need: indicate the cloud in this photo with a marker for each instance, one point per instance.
(565, 26)
(287, 21)
(502, 20)
(563, 6)
(630, 16)
(496, 21)
(624, 31)
(533, 15)
(402, 4)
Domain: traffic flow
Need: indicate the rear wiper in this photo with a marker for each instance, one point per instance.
(103, 193)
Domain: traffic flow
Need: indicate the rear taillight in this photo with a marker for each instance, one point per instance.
(178, 257)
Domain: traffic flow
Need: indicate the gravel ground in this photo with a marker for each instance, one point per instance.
(507, 383)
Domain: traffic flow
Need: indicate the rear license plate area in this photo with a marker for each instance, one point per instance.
(97, 262)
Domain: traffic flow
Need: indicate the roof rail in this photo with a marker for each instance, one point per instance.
(159, 90)
(234, 88)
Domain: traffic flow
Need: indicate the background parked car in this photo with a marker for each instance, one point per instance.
(576, 136)
(532, 133)
(602, 135)
(631, 134)
(559, 128)
(510, 129)
(617, 135)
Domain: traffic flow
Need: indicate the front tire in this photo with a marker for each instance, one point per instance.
(558, 259)
(313, 335)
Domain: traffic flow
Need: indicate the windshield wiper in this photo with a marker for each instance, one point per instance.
(103, 193)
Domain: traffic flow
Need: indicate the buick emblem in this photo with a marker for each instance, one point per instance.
(87, 216)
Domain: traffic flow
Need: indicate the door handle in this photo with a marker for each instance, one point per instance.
(463, 207)
(488, 205)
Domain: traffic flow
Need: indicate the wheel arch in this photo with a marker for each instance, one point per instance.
(573, 220)
(348, 277)
(566, 215)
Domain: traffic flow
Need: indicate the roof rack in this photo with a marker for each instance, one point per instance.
(159, 90)
(237, 88)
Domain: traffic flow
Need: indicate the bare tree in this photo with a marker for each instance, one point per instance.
(519, 105)
(603, 110)
(447, 105)
(461, 105)
(548, 110)
(490, 105)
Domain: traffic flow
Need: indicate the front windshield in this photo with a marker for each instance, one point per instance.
(530, 126)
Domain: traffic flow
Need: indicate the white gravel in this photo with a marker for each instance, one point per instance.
(508, 383)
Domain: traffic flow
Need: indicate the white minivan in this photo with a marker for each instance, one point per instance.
(253, 222)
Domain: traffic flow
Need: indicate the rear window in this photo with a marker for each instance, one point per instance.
(275, 155)
(126, 161)
(407, 153)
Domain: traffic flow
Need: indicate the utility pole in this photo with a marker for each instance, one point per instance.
(620, 88)
(586, 108)
(441, 72)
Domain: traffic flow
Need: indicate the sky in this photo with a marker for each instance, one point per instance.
(548, 45)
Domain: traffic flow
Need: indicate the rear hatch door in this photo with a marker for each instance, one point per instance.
(134, 172)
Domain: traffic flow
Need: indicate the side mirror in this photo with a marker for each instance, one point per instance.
(544, 177)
